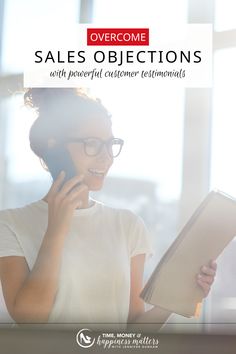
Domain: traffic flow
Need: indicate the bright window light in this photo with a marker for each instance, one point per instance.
(225, 11)
(223, 167)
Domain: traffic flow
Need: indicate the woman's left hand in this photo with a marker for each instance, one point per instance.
(206, 276)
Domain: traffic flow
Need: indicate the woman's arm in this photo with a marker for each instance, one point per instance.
(136, 306)
(139, 319)
(30, 295)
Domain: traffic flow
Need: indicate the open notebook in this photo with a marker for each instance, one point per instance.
(173, 285)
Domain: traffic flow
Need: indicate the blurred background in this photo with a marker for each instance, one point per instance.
(179, 143)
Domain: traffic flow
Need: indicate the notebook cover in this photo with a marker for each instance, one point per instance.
(173, 285)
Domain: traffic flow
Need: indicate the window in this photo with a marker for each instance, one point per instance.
(225, 15)
(223, 167)
(221, 307)
(25, 17)
(119, 12)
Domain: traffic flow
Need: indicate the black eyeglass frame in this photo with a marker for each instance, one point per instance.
(107, 142)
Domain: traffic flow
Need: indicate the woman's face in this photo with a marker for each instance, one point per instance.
(94, 168)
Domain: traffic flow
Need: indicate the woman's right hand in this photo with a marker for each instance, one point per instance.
(62, 201)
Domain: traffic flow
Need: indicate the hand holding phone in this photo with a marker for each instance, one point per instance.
(58, 159)
(63, 199)
(67, 192)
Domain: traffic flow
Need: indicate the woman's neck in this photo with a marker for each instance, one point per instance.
(86, 201)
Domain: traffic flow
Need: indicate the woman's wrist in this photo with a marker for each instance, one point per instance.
(56, 234)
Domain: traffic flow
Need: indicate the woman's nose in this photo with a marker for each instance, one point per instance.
(104, 154)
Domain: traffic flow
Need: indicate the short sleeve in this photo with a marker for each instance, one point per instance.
(140, 240)
(9, 245)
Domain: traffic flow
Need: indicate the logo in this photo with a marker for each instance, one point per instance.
(84, 338)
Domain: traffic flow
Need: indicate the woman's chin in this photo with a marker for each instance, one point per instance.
(95, 188)
(96, 185)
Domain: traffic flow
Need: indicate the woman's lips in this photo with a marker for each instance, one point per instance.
(97, 172)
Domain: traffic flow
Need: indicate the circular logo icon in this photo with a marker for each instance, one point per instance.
(84, 338)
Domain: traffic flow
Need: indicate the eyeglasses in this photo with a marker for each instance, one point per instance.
(93, 146)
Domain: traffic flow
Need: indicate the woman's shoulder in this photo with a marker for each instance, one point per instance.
(26, 211)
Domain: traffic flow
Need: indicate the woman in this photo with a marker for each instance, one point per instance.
(68, 258)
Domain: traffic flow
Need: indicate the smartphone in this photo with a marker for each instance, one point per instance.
(58, 159)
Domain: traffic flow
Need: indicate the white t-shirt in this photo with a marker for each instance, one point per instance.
(94, 284)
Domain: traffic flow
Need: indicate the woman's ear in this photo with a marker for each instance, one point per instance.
(51, 143)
